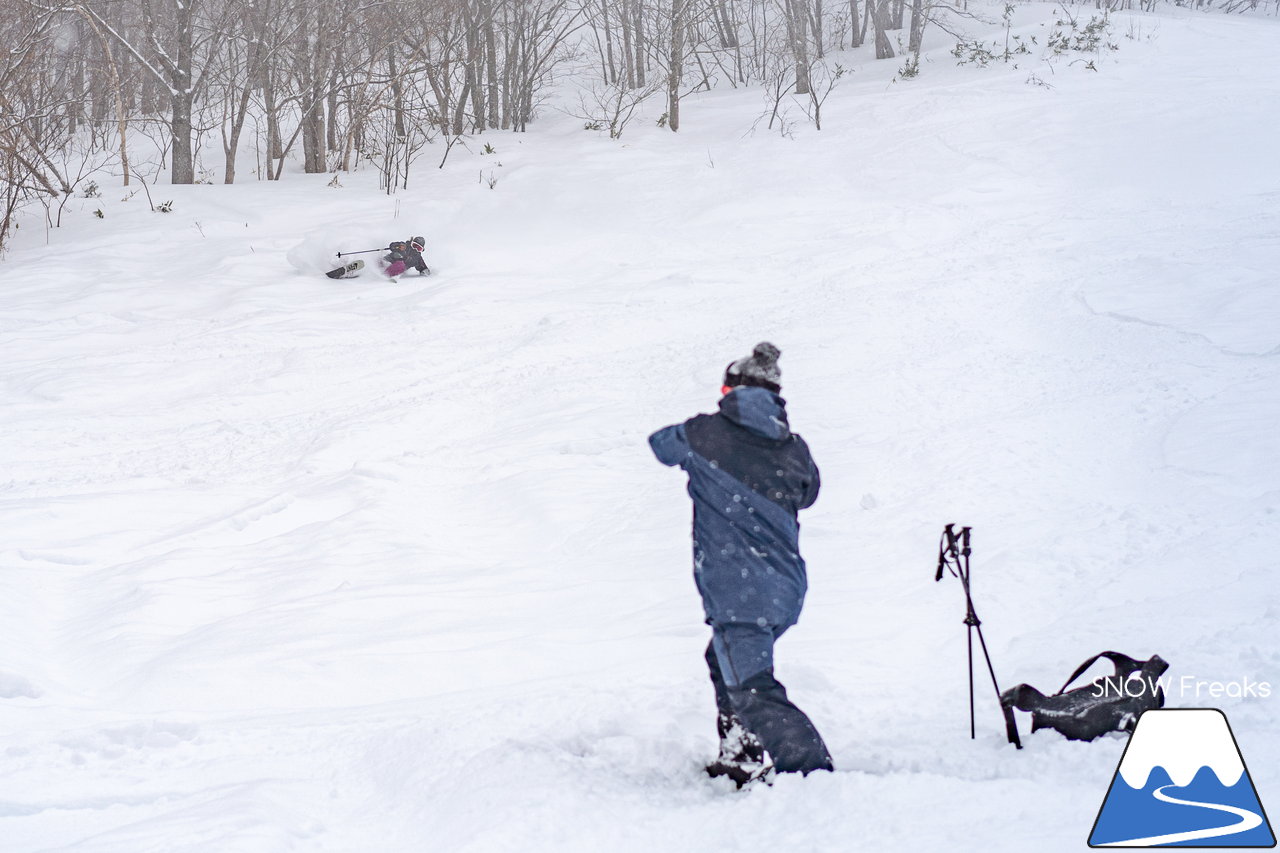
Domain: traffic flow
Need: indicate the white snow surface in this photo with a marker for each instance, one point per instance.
(293, 564)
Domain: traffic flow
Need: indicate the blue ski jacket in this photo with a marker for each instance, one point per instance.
(749, 476)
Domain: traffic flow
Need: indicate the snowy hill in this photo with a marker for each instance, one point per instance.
(295, 564)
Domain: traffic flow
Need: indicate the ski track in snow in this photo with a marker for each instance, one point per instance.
(303, 565)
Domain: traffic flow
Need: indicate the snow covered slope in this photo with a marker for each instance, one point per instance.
(293, 564)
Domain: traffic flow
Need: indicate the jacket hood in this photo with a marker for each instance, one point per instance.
(757, 410)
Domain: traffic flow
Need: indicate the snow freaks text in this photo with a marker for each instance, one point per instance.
(1187, 687)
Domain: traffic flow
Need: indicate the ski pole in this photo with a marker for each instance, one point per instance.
(362, 252)
(953, 556)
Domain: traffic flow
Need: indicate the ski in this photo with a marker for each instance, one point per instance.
(346, 270)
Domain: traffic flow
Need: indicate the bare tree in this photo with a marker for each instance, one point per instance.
(611, 106)
(675, 63)
(242, 68)
(797, 34)
(879, 12)
(113, 71)
(32, 123)
(164, 41)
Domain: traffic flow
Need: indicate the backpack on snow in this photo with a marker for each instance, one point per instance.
(1111, 703)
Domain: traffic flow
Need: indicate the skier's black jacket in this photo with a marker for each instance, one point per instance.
(405, 252)
(749, 475)
(413, 258)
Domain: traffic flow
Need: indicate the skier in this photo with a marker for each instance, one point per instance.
(402, 255)
(749, 475)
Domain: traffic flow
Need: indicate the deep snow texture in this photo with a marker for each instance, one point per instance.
(293, 564)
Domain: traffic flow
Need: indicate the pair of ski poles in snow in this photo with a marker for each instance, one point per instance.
(953, 557)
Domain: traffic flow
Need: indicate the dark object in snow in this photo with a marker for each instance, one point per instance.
(348, 270)
(1111, 703)
(749, 476)
(953, 557)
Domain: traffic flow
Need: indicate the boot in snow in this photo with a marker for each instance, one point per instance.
(742, 758)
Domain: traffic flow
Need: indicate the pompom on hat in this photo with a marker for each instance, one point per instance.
(759, 369)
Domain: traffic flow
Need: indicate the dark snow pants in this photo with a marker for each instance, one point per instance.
(759, 700)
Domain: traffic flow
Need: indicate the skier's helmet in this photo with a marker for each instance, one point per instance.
(419, 243)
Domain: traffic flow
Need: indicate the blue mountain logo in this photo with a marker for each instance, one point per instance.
(1182, 783)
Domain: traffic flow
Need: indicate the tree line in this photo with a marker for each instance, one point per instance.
(335, 82)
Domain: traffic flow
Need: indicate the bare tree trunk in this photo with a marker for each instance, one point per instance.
(313, 75)
(471, 66)
(438, 78)
(275, 144)
(331, 124)
(313, 136)
(628, 46)
(797, 27)
(608, 67)
(76, 105)
(884, 47)
(397, 93)
(232, 141)
(637, 26)
(855, 31)
(183, 90)
(183, 167)
(353, 131)
(491, 58)
(460, 109)
(508, 69)
(675, 71)
(918, 18)
(815, 22)
(728, 31)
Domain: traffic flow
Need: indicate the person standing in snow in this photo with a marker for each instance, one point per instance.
(749, 476)
(402, 255)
